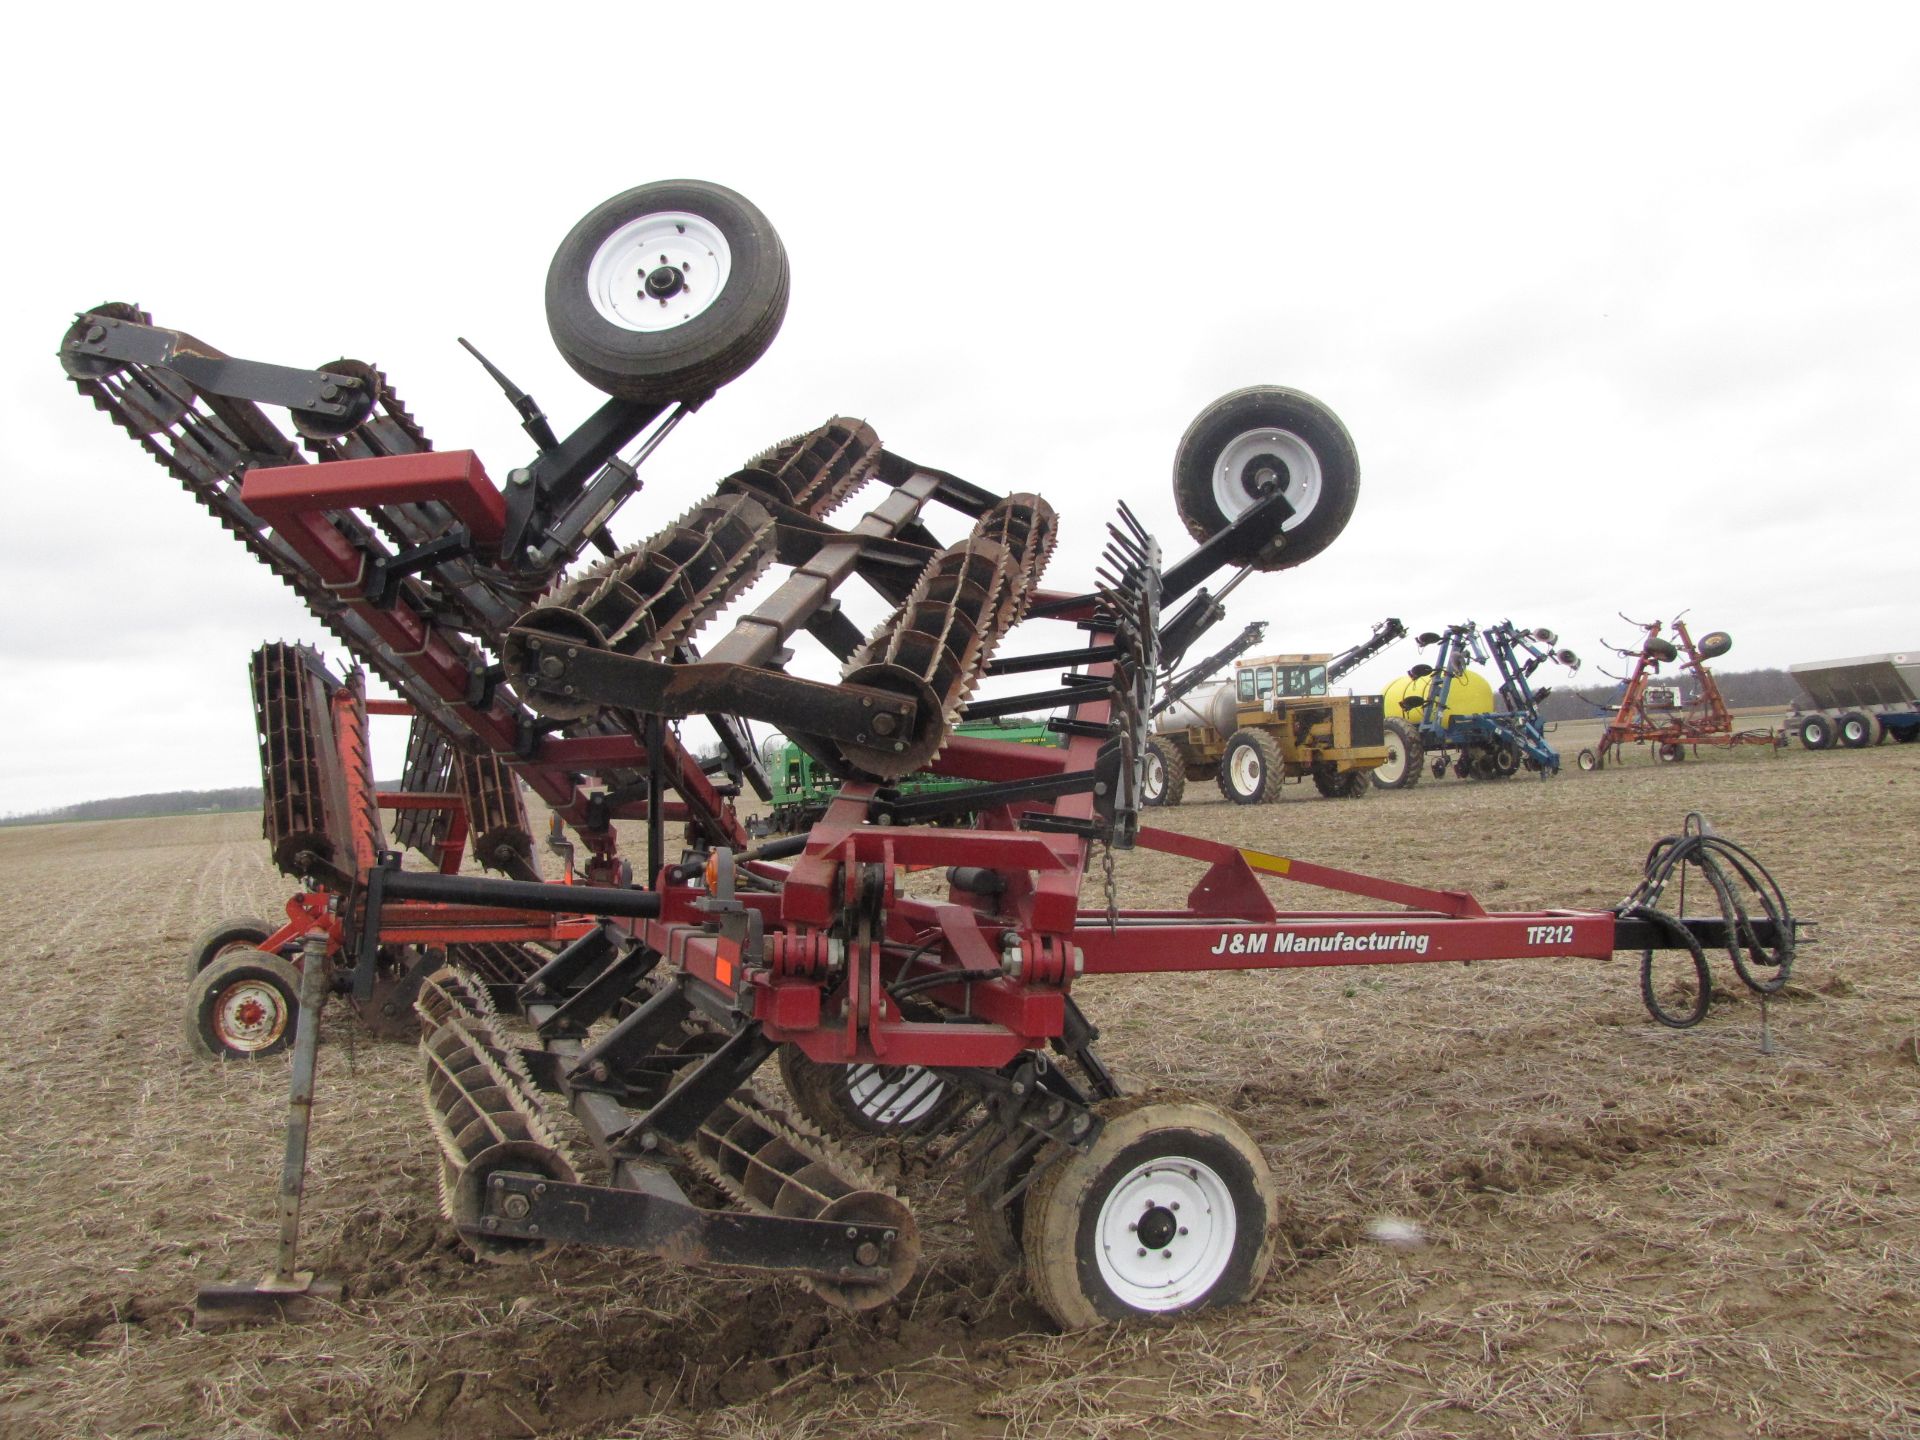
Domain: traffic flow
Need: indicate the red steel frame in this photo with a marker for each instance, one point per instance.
(1707, 721)
(1229, 922)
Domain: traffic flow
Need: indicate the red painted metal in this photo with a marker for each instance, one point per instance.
(1704, 720)
(284, 494)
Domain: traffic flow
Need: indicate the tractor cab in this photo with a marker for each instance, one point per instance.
(1284, 677)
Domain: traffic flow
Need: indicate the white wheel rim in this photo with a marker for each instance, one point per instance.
(1154, 781)
(1245, 770)
(1395, 767)
(249, 1016)
(1165, 1234)
(1240, 479)
(900, 1098)
(687, 249)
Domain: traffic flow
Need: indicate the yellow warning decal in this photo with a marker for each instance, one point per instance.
(1273, 864)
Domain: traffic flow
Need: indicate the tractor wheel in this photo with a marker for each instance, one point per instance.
(1340, 784)
(1856, 730)
(1669, 754)
(1247, 445)
(1661, 650)
(1590, 760)
(1169, 1211)
(668, 291)
(1404, 755)
(1165, 781)
(1816, 732)
(237, 933)
(244, 1006)
(867, 1099)
(1252, 768)
(1503, 761)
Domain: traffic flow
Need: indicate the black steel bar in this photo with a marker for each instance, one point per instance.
(520, 895)
(685, 1108)
(598, 997)
(1020, 664)
(652, 1222)
(566, 971)
(1711, 932)
(603, 1065)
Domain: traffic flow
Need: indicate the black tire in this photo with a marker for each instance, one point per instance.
(1252, 768)
(1669, 754)
(868, 1099)
(1590, 760)
(1405, 755)
(1169, 1211)
(1714, 644)
(1661, 650)
(1503, 761)
(1340, 784)
(244, 1006)
(1816, 732)
(1855, 730)
(705, 337)
(244, 932)
(1165, 776)
(997, 1228)
(1245, 443)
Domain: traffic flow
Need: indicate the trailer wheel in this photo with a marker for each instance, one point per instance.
(1503, 760)
(668, 291)
(1855, 730)
(1669, 754)
(1252, 442)
(1816, 732)
(1590, 760)
(1252, 768)
(867, 1099)
(1165, 780)
(243, 932)
(1404, 756)
(1169, 1211)
(243, 1006)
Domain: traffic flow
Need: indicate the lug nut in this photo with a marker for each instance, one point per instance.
(517, 1207)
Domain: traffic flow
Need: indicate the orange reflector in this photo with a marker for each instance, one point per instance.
(713, 872)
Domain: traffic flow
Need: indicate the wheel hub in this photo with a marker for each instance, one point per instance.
(1158, 1227)
(249, 1017)
(664, 281)
(1256, 464)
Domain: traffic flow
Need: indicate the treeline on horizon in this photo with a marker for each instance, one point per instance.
(139, 807)
(1740, 688)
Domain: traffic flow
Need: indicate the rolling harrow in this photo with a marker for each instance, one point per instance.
(591, 1046)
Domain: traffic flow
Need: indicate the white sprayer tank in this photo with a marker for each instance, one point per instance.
(1216, 705)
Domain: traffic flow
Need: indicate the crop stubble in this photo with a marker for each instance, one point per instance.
(1630, 1230)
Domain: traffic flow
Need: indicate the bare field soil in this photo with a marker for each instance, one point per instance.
(1628, 1230)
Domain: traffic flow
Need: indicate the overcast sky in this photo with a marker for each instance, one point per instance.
(1621, 304)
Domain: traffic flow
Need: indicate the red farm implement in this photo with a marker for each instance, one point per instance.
(654, 1004)
(1686, 710)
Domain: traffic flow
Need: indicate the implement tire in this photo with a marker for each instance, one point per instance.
(1166, 775)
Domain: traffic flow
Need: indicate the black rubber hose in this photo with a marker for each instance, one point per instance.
(1703, 978)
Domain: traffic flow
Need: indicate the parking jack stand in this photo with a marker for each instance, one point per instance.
(286, 1292)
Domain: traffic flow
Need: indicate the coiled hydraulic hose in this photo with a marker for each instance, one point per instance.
(1740, 885)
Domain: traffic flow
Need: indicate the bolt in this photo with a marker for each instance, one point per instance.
(533, 1229)
(852, 1234)
(541, 1188)
(866, 702)
(883, 724)
(1183, 1229)
(1166, 1254)
(573, 652)
(1139, 1252)
(96, 333)
(899, 745)
(517, 1207)
(494, 1224)
(868, 1254)
(1133, 1225)
(1079, 1124)
(552, 666)
(599, 1071)
(1175, 1205)
(1019, 1087)
(649, 1141)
